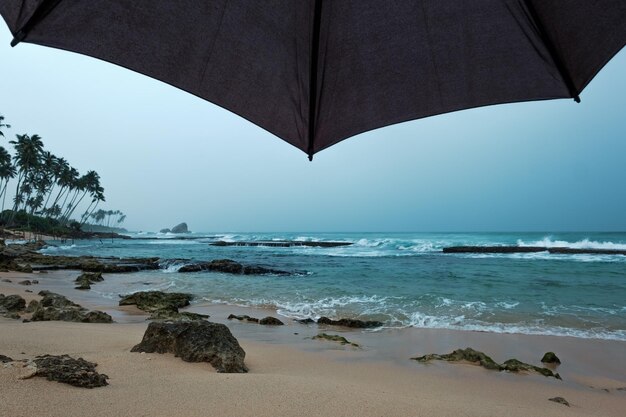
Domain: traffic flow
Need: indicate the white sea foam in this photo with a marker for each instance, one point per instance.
(581, 244)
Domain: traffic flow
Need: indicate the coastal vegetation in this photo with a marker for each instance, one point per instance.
(49, 196)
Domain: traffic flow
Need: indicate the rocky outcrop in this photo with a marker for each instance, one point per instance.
(195, 342)
(479, 358)
(5, 359)
(267, 321)
(12, 303)
(532, 249)
(166, 230)
(283, 244)
(55, 307)
(229, 266)
(353, 323)
(334, 338)
(84, 280)
(65, 369)
(180, 228)
(551, 358)
(151, 301)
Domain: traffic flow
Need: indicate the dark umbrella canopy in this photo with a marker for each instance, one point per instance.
(370, 63)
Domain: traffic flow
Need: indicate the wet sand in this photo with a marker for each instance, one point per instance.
(291, 374)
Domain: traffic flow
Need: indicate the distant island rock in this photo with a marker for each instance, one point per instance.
(179, 228)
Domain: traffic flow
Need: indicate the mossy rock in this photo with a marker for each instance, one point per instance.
(335, 338)
(550, 357)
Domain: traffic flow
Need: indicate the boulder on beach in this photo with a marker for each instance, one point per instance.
(335, 338)
(84, 280)
(195, 342)
(157, 300)
(170, 315)
(12, 303)
(180, 228)
(271, 321)
(550, 357)
(243, 317)
(5, 359)
(65, 369)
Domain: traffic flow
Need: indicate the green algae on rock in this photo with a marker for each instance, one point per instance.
(334, 338)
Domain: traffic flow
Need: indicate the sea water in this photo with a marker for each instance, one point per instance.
(401, 279)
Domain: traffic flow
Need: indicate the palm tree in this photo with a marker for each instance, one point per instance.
(7, 171)
(3, 125)
(27, 158)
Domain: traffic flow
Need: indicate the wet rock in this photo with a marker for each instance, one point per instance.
(480, 358)
(52, 299)
(550, 357)
(334, 338)
(243, 318)
(25, 282)
(354, 323)
(85, 280)
(32, 306)
(180, 228)
(468, 355)
(559, 400)
(157, 300)
(12, 303)
(169, 315)
(195, 342)
(229, 266)
(5, 359)
(6, 280)
(514, 365)
(166, 230)
(65, 369)
(34, 281)
(305, 321)
(271, 321)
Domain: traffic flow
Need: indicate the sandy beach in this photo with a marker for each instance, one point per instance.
(290, 374)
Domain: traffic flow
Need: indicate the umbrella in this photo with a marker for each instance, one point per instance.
(315, 72)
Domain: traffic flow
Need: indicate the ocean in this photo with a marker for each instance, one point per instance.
(401, 279)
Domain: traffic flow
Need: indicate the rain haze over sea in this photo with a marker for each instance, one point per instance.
(402, 279)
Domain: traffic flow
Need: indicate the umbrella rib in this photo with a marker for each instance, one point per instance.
(315, 46)
(556, 57)
(42, 10)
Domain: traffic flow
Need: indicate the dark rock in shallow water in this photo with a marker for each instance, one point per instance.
(271, 321)
(166, 230)
(85, 280)
(195, 342)
(5, 359)
(283, 244)
(229, 266)
(6, 280)
(65, 369)
(305, 321)
(157, 300)
(550, 357)
(180, 228)
(479, 358)
(559, 400)
(243, 318)
(12, 302)
(531, 249)
(25, 282)
(354, 323)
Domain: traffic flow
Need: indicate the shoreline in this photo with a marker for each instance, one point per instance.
(593, 370)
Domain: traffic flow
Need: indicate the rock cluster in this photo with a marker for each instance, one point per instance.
(230, 267)
(354, 323)
(65, 369)
(195, 342)
(179, 228)
(162, 305)
(268, 321)
(55, 307)
(480, 358)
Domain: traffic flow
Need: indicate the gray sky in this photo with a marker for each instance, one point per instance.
(165, 156)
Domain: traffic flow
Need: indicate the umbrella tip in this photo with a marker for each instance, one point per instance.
(310, 157)
(19, 37)
(577, 98)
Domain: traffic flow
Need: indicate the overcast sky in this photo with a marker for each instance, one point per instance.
(165, 156)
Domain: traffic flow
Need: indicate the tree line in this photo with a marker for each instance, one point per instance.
(46, 185)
